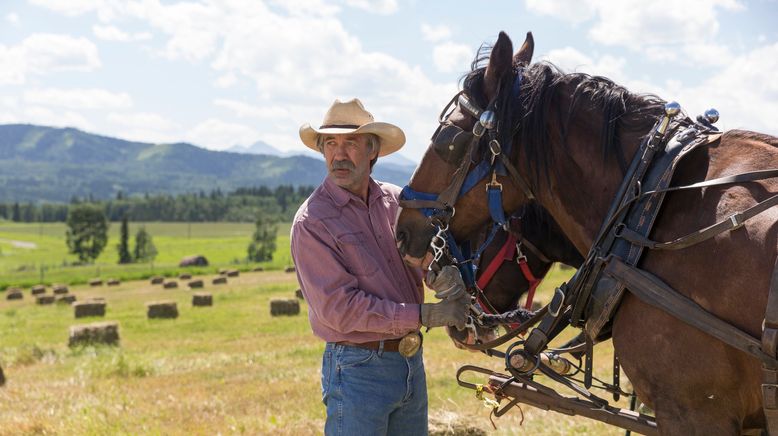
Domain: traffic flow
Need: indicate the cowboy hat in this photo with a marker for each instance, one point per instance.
(351, 118)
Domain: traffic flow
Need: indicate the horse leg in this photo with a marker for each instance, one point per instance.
(695, 383)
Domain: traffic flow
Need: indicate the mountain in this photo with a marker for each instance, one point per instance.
(395, 160)
(39, 163)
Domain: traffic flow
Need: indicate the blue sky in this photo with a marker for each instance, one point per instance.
(223, 73)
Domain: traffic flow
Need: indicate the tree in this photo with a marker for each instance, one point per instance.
(87, 232)
(124, 245)
(145, 250)
(263, 242)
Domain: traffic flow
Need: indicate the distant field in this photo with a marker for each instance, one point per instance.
(32, 252)
(228, 369)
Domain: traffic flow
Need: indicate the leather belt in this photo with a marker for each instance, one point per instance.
(407, 346)
(389, 345)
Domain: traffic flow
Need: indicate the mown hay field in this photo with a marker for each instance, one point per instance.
(226, 369)
(37, 252)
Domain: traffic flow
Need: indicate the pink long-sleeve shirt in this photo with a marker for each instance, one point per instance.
(356, 285)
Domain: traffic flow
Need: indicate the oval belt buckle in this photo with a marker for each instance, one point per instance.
(409, 344)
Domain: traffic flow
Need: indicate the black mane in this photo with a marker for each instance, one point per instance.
(619, 111)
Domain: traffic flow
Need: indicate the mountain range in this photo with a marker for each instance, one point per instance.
(39, 163)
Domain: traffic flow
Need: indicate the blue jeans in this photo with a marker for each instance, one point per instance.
(372, 392)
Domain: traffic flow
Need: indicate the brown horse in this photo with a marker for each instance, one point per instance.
(530, 228)
(571, 138)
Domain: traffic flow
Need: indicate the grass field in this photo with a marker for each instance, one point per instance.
(227, 369)
(37, 253)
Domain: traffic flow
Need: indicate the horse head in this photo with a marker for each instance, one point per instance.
(508, 272)
(464, 139)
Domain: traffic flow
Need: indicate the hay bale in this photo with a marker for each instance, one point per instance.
(284, 307)
(89, 308)
(161, 309)
(96, 282)
(299, 294)
(258, 269)
(170, 284)
(185, 276)
(14, 295)
(289, 269)
(14, 289)
(202, 299)
(2, 377)
(94, 333)
(196, 260)
(66, 299)
(196, 284)
(219, 280)
(44, 299)
(113, 282)
(38, 289)
(157, 280)
(223, 271)
(60, 289)
(233, 273)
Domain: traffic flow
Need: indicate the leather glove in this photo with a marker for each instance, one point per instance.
(447, 283)
(448, 312)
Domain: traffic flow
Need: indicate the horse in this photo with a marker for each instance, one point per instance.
(503, 283)
(571, 135)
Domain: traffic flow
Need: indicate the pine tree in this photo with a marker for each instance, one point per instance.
(145, 250)
(124, 245)
(263, 242)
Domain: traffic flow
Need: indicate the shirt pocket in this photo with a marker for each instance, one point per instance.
(358, 259)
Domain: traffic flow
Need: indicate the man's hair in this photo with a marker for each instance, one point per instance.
(373, 144)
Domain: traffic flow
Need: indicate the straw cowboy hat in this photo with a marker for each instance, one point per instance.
(351, 117)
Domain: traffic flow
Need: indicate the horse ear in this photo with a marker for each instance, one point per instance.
(500, 63)
(523, 57)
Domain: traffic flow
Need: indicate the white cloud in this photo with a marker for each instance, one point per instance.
(217, 134)
(112, 33)
(571, 60)
(745, 92)
(12, 18)
(573, 11)
(437, 33)
(55, 118)
(45, 53)
(383, 7)
(145, 127)
(83, 98)
(450, 57)
(245, 110)
(68, 7)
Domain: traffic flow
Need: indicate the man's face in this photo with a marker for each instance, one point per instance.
(348, 160)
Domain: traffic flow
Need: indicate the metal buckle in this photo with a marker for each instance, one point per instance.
(409, 344)
(520, 256)
(494, 183)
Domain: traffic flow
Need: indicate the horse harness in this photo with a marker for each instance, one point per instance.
(592, 296)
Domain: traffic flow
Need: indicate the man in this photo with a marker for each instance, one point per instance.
(362, 298)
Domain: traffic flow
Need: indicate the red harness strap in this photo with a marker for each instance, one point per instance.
(506, 253)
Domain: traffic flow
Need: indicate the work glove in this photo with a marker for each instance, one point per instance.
(451, 311)
(447, 283)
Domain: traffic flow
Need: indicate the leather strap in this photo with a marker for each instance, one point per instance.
(769, 345)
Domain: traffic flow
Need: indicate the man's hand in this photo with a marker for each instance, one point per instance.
(449, 312)
(447, 283)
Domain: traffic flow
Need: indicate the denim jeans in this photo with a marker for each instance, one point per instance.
(372, 392)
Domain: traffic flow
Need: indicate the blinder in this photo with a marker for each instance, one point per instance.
(451, 143)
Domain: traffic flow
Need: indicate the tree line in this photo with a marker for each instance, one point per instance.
(241, 205)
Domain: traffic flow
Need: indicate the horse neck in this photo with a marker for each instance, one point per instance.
(543, 232)
(581, 183)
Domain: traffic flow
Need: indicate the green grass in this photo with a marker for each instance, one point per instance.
(37, 253)
(227, 369)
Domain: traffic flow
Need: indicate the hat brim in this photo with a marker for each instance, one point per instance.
(392, 137)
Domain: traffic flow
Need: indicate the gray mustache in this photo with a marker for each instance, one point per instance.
(342, 165)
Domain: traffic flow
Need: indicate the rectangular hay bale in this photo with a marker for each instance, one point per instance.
(83, 309)
(94, 333)
(289, 306)
(202, 299)
(161, 309)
